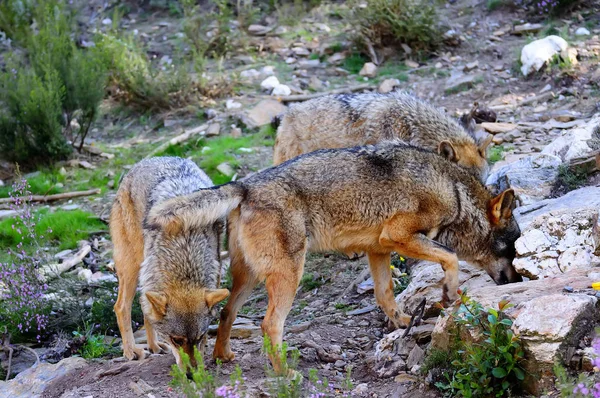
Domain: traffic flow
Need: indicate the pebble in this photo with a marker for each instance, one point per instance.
(568, 289)
(282, 90)
(269, 83)
(582, 32)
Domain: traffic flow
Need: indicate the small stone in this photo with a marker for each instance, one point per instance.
(495, 128)
(339, 364)
(269, 83)
(290, 60)
(415, 357)
(547, 87)
(582, 32)
(438, 65)
(369, 69)
(527, 28)
(568, 289)
(267, 70)
(411, 64)
(235, 131)
(315, 83)
(226, 169)
(309, 63)
(259, 30)
(281, 90)
(406, 48)
(213, 130)
(106, 21)
(59, 185)
(250, 74)
(231, 104)
(388, 85)
(86, 165)
(301, 51)
(211, 113)
(471, 65)
(362, 388)
(110, 184)
(263, 113)
(85, 275)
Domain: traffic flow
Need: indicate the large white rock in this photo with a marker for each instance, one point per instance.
(557, 242)
(531, 177)
(281, 90)
(535, 54)
(269, 83)
(574, 143)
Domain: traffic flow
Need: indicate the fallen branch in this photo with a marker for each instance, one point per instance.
(178, 140)
(52, 198)
(52, 271)
(306, 97)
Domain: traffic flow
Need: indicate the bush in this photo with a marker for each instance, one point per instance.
(386, 23)
(490, 367)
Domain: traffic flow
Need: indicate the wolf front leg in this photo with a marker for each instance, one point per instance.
(384, 289)
(403, 235)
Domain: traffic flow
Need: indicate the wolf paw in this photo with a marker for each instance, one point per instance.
(225, 355)
(159, 348)
(134, 353)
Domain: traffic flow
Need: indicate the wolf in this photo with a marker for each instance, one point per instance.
(178, 270)
(347, 120)
(375, 199)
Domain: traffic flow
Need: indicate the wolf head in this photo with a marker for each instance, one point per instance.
(466, 154)
(182, 315)
(498, 252)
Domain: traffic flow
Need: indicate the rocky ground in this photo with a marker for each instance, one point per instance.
(547, 130)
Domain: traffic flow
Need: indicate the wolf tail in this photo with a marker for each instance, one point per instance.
(201, 208)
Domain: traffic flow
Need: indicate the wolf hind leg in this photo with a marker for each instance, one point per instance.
(379, 265)
(402, 234)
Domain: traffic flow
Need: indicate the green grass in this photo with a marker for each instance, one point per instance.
(496, 153)
(222, 149)
(41, 183)
(311, 281)
(60, 228)
(355, 62)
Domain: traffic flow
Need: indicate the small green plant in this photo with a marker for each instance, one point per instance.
(93, 346)
(355, 62)
(571, 178)
(491, 366)
(311, 281)
(386, 23)
(203, 383)
(495, 153)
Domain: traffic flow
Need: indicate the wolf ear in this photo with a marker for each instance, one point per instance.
(484, 143)
(501, 206)
(213, 296)
(447, 150)
(158, 302)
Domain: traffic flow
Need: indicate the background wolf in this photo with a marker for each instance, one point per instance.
(179, 270)
(346, 120)
(376, 199)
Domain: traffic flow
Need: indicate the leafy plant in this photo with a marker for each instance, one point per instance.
(571, 178)
(93, 345)
(496, 153)
(490, 366)
(311, 281)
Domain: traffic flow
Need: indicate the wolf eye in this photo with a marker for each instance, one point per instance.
(178, 341)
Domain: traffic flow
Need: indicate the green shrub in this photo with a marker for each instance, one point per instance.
(386, 23)
(492, 366)
(30, 126)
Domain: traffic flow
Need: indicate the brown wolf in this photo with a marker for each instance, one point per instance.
(346, 120)
(374, 199)
(178, 270)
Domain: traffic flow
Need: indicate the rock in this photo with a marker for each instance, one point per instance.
(106, 21)
(411, 64)
(239, 330)
(85, 275)
(315, 83)
(560, 115)
(557, 242)
(452, 37)
(569, 54)
(366, 286)
(249, 74)
(549, 322)
(226, 169)
(263, 113)
(415, 357)
(495, 128)
(547, 87)
(32, 382)
(582, 32)
(99, 277)
(211, 113)
(369, 69)
(301, 51)
(269, 83)
(259, 30)
(309, 63)
(388, 85)
(86, 165)
(281, 90)
(535, 54)
(267, 70)
(531, 177)
(458, 81)
(574, 143)
(213, 130)
(362, 388)
(574, 200)
(427, 280)
(235, 131)
(470, 66)
(527, 28)
(110, 184)
(231, 104)
(336, 58)
(406, 48)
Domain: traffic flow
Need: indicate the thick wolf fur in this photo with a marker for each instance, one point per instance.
(347, 120)
(178, 270)
(374, 199)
